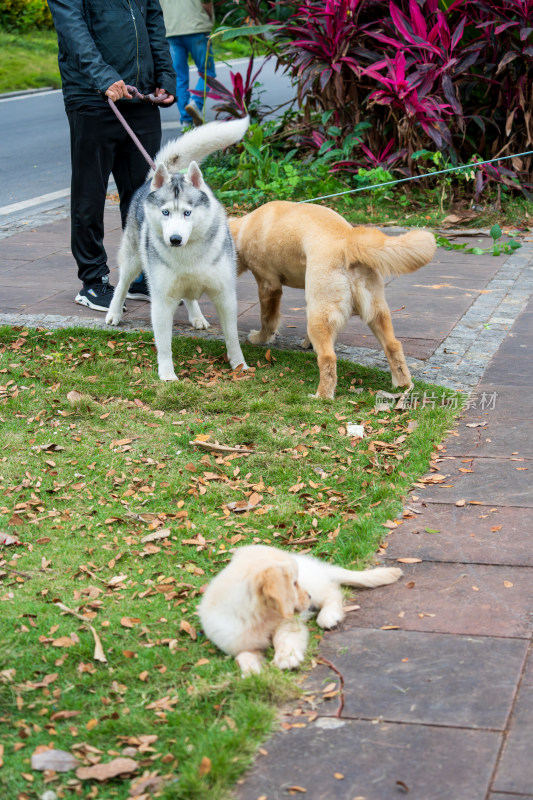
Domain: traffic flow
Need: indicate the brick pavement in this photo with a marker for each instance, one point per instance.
(438, 668)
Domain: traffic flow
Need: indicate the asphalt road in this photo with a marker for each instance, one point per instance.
(34, 140)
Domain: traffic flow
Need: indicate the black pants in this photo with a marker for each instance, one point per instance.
(99, 147)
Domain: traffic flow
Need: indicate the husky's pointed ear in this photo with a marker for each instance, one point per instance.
(194, 175)
(160, 177)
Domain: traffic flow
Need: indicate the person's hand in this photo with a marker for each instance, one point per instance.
(168, 100)
(118, 90)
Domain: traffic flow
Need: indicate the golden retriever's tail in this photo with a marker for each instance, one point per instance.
(368, 578)
(391, 255)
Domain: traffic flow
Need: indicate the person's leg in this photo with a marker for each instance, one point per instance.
(93, 143)
(180, 61)
(202, 55)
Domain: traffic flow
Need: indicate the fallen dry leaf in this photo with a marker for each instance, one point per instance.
(147, 786)
(111, 769)
(348, 609)
(205, 767)
(163, 533)
(74, 396)
(129, 622)
(63, 641)
(409, 560)
(188, 628)
(98, 654)
(64, 715)
(116, 579)
(6, 539)
(222, 448)
(58, 760)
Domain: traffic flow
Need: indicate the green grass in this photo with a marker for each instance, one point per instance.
(28, 61)
(84, 477)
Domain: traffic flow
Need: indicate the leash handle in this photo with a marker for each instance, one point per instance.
(133, 136)
(148, 98)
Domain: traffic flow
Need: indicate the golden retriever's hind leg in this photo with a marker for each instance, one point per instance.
(270, 302)
(250, 662)
(381, 327)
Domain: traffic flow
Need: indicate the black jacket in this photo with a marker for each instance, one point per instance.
(103, 41)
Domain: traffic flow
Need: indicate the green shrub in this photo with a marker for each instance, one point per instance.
(22, 15)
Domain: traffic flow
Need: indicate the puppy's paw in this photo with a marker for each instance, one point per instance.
(250, 663)
(306, 343)
(113, 317)
(329, 618)
(288, 660)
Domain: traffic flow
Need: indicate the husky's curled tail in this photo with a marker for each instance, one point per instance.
(200, 142)
(390, 255)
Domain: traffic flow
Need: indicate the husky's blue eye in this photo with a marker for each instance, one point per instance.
(166, 212)
(186, 213)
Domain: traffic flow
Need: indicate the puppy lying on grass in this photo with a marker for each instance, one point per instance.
(257, 598)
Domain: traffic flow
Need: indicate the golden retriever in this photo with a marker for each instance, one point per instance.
(341, 268)
(257, 598)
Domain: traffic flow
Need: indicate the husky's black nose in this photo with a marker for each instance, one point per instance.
(175, 240)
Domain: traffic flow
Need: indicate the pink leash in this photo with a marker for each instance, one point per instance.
(148, 98)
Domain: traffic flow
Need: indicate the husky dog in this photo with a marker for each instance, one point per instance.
(177, 234)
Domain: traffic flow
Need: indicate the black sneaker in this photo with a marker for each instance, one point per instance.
(98, 296)
(139, 290)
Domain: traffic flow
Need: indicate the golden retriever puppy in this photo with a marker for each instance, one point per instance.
(257, 598)
(341, 268)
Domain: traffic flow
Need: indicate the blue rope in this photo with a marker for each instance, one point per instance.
(417, 177)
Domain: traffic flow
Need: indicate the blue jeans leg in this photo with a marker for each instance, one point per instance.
(180, 54)
(201, 51)
(198, 46)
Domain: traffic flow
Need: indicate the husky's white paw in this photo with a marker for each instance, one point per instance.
(200, 323)
(167, 375)
(239, 363)
(288, 660)
(329, 618)
(113, 317)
